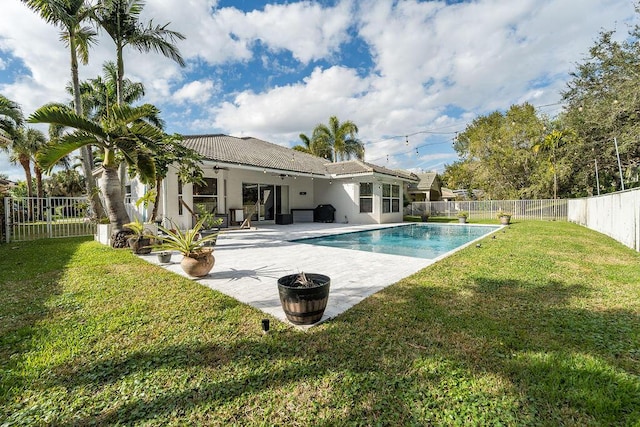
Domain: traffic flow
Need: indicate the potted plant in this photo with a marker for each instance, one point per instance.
(164, 257)
(504, 217)
(197, 259)
(462, 217)
(304, 297)
(138, 241)
(210, 224)
(424, 216)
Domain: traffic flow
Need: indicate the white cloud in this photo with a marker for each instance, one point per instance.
(434, 65)
(294, 108)
(198, 92)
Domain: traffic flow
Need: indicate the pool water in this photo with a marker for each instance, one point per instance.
(415, 240)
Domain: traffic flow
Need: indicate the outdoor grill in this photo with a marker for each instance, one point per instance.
(324, 213)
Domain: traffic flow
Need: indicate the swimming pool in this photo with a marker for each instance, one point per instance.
(415, 240)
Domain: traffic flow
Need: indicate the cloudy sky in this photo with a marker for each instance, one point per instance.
(408, 73)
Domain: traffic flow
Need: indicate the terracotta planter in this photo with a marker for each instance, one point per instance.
(200, 266)
(505, 219)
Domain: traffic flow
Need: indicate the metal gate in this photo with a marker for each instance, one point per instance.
(30, 218)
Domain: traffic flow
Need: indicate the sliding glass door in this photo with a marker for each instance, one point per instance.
(261, 202)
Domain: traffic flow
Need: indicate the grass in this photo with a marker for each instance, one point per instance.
(540, 326)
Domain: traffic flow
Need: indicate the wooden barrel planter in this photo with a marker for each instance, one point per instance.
(304, 304)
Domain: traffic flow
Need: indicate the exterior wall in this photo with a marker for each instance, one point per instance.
(617, 215)
(344, 195)
(300, 192)
(303, 192)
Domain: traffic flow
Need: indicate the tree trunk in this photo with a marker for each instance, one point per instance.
(110, 187)
(25, 162)
(85, 152)
(154, 211)
(38, 172)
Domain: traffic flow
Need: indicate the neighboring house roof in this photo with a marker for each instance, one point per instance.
(6, 185)
(356, 167)
(448, 193)
(426, 182)
(257, 153)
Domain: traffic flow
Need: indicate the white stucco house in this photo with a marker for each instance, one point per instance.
(275, 184)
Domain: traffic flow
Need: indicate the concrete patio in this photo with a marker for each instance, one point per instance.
(249, 263)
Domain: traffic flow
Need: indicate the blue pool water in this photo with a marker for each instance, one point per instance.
(415, 240)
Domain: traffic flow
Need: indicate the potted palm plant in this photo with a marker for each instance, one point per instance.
(210, 224)
(504, 217)
(139, 242)
(462, 217)
(197, 259)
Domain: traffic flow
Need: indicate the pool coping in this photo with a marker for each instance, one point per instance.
(249, 262)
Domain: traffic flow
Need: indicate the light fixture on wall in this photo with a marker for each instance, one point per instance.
(217, 168)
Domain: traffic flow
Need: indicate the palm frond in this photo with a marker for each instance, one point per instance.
(55, 151)
(62, 115)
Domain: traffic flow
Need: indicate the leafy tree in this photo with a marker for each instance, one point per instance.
(66, 183)
(603, 108)
(551, 148)
(124, 130)
(314, 147)
(497, 155)
(340, 137)
(169, 151)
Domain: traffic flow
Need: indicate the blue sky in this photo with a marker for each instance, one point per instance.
(408, 73)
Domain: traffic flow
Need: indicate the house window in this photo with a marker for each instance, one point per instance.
(366, 197)
(205, 195)
(390, 198)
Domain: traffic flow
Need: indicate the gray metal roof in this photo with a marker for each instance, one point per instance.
(249, 151)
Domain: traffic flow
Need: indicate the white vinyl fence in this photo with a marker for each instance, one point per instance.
(616, 214)
(547, 209)
(30, 218)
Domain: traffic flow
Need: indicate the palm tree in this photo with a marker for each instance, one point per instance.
(124, 131)
(341, 137)
(120, 19)
(10, 120)
(314, 147)
(551, 142)
(70, 15)
(99, 93)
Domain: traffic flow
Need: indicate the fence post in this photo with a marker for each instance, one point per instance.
(7, 218)
(48, 215)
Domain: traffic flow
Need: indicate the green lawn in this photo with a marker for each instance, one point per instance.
(540, 326)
